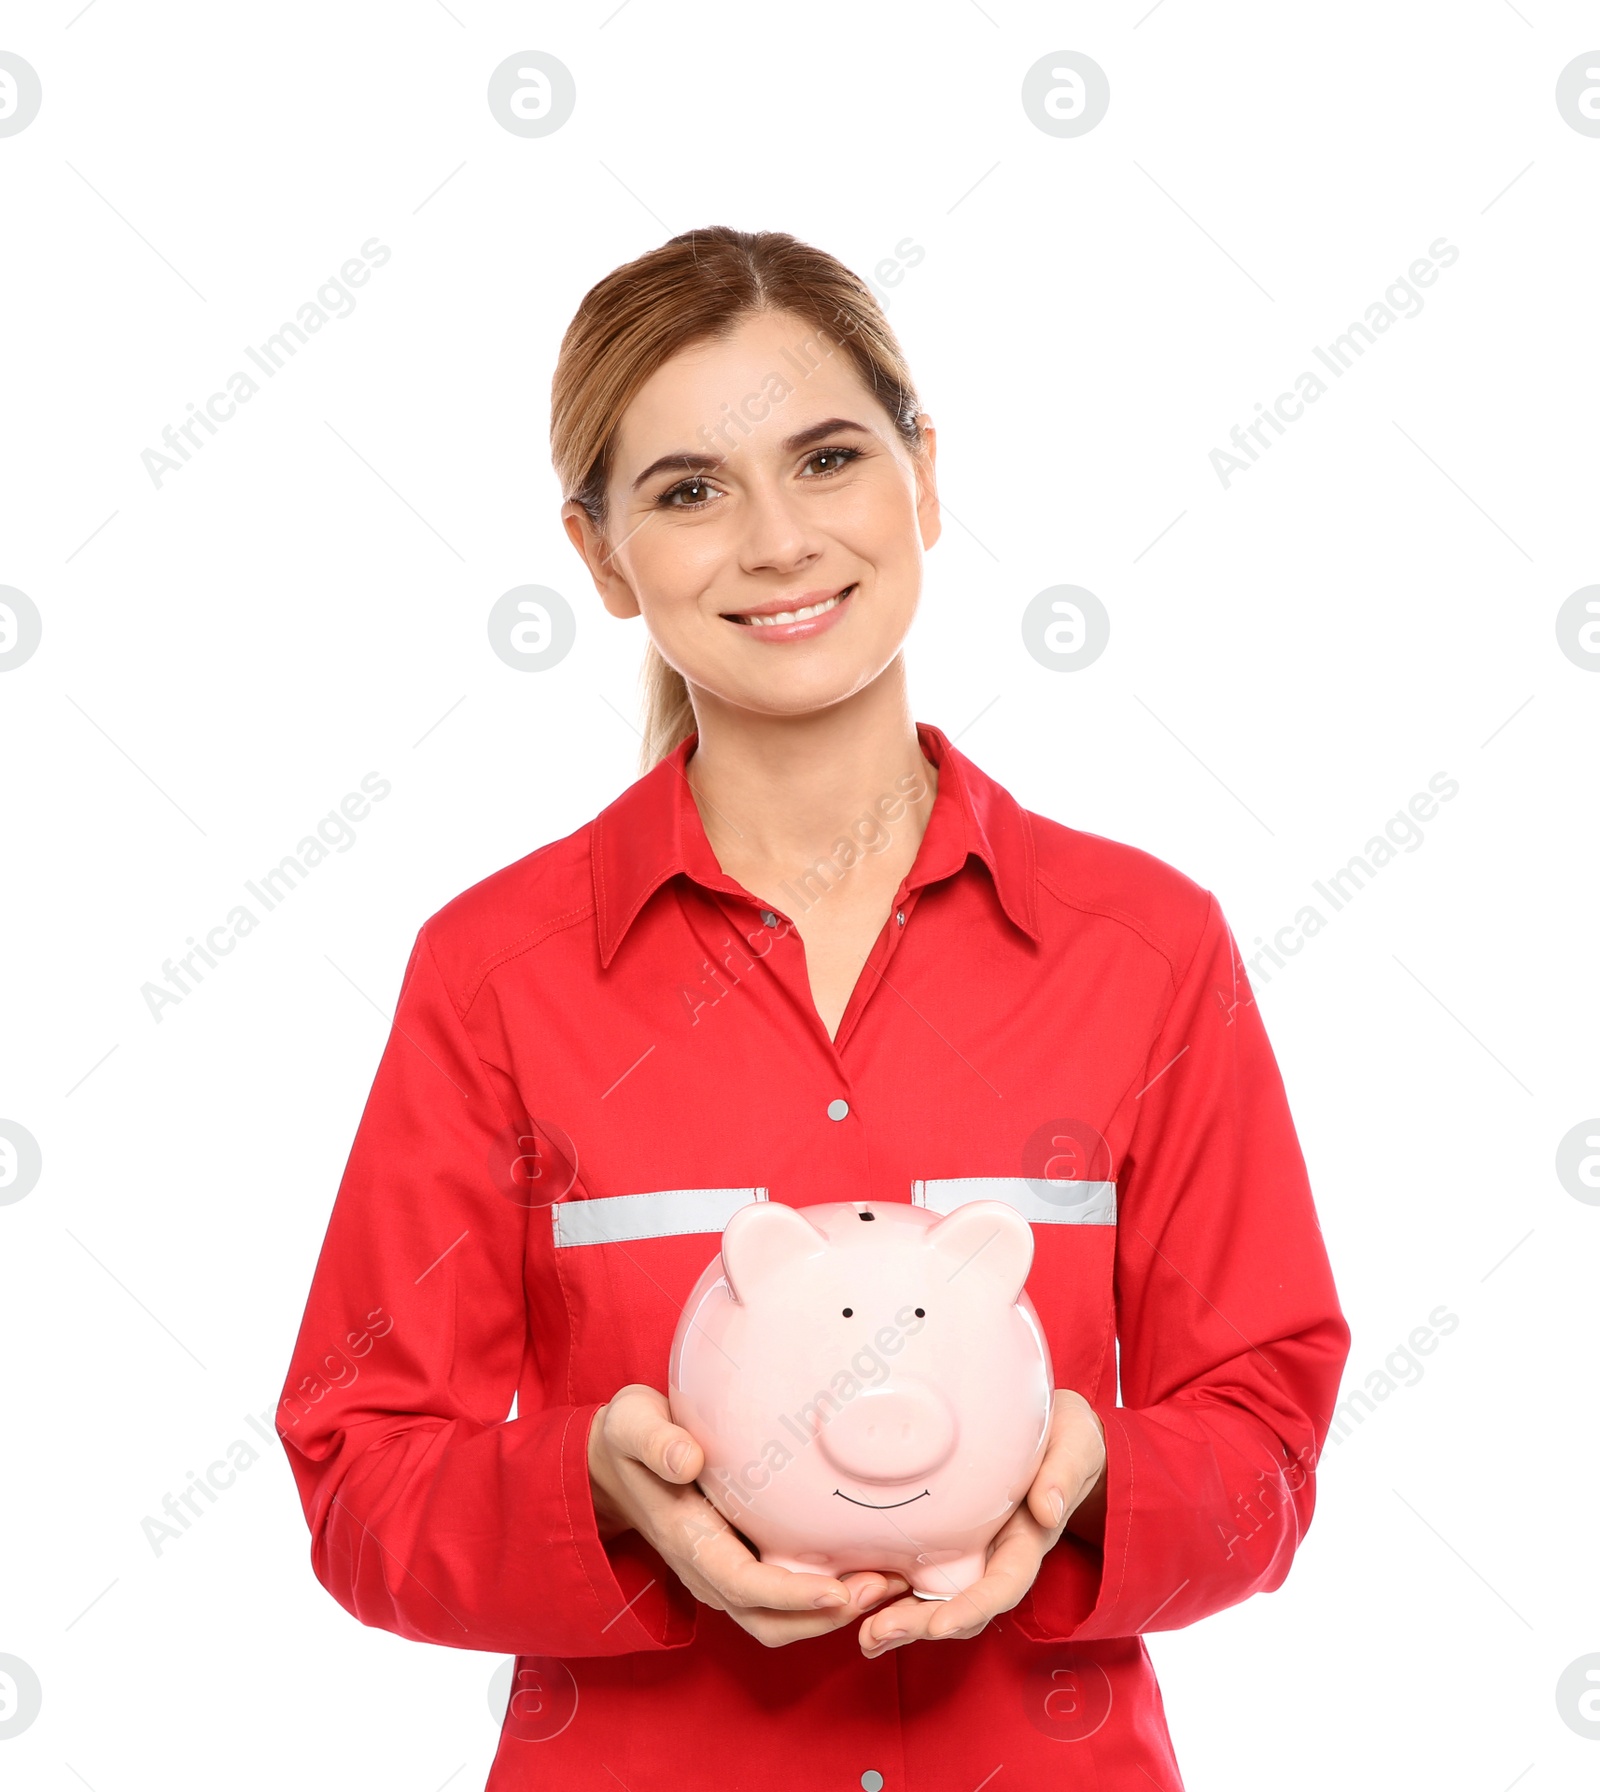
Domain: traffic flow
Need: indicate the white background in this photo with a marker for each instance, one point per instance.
(224, 657)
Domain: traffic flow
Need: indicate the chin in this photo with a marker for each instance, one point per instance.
(800, 689)
(788, 702)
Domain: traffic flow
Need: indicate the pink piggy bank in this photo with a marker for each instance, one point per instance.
(870, 1384)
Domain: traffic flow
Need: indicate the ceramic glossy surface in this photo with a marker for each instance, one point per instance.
(870, 1383)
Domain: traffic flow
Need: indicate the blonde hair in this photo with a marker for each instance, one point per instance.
(700, 285)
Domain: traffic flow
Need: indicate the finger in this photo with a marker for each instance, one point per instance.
(967, 1612)
(742, 1579)
(1072, 1461)
(871, 1588)
(893, 1625)
(1059, 1490)
(776, 1628)
(1012, 1567)
(1064, 1479)
(964, 1614)
(1014, 1560)
(1047, 1504)
(639, 1424)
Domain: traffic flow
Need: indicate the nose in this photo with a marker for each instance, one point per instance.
(897, 1433)
(777, 532)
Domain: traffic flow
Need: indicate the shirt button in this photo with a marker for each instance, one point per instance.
(768, 918)
(872, 1781)
(837, 1109)
(900, 917)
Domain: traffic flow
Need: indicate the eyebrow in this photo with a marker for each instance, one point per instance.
(704, 463)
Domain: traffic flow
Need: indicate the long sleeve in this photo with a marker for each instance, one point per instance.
(1230, 1334)
(432, 1514)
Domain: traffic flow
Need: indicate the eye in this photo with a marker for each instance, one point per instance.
(842, 456)
(696, 482)
(848, 1311)
(921, 1314)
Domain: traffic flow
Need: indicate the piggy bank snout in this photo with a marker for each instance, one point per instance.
(897, 1433)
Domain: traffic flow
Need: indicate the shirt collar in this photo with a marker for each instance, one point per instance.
(653, 831)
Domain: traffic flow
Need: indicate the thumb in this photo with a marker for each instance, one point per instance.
(675, 1455)
(1047, 1502)
(1077, 1444)
(638, 1424)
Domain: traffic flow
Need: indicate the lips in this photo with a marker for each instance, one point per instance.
(775, 616)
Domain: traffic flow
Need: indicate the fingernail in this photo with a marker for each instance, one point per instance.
(831, 1599)
(1057, 1504)
(888, 1636)
(868, 1590)
(678, 1457)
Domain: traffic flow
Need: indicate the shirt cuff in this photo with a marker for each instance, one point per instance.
(1075, 1578)
(642, 1603)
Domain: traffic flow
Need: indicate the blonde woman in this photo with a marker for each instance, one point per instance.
(812, 954)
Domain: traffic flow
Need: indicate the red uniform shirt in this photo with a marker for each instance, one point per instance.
(605, 1047)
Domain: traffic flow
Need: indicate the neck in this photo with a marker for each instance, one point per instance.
(780, 791)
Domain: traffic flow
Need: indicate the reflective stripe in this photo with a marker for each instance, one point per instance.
(1077, 1204)
(609, 1219)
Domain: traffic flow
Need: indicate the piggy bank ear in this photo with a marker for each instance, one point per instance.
(760, 1238)
(985, 1238)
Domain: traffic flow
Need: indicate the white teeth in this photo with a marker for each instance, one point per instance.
(799, 615)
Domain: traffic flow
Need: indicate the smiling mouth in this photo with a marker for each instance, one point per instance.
(803, 614)
(924, 1495)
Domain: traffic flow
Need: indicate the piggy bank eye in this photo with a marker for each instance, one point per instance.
(848, 1311)
(921, 1314)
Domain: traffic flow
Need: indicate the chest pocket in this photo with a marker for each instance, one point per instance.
(1074, 1259)
(666, 1213)
(1078, 1203)
(626, 1265)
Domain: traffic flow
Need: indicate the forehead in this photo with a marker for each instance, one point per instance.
(775, 373)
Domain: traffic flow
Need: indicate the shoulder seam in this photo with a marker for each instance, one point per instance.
(1178, 981)
(523, 943)
(1109, 913)
(425, 942)
(1212, 906)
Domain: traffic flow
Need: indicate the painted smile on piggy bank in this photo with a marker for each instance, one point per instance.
(925, 1494)
(837, 1373)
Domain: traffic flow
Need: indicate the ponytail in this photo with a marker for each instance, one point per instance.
(668, 713)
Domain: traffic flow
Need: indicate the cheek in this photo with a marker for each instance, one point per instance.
(878, 522)
(672, 566)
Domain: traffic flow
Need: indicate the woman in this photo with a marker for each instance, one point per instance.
(812, 954)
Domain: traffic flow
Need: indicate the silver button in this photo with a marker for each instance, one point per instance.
(770, 919)
(900, 916)
(837, 1108)
(872, 1781)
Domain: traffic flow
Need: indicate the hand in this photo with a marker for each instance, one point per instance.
(636, 1487)
(1067, 1493)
